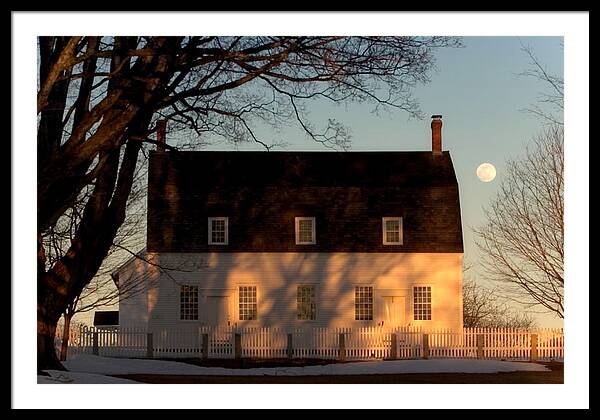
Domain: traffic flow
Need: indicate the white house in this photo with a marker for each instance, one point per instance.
(291, 239)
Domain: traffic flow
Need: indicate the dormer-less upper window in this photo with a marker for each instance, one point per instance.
(305, 231)
(392, 230)
(218, 230)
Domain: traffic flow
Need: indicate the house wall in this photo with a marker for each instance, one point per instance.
(136, 279)
(277, 276)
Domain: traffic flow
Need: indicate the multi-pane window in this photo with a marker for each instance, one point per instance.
(247, 296)
(363, 303)
(305, 230)
(392, 231)
(188, 302)
(422, 303)
(307, 307)
(218, 230)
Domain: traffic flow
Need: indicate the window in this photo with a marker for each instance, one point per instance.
(188, 303)
(247, 303)
(392, 230)
(307, 308)
(363, 303)
(218, 230)
(422, 303)
(305, 230)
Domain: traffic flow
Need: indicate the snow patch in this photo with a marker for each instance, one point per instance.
(61, 377)
(117, 366)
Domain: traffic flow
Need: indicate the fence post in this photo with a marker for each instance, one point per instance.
(238, 345)
(425, 346)
(394, 349)
(95, 343)
(534, 347)
(205, 346)
(342, 353)
(290, 345)
(480, 338)
(149, 346)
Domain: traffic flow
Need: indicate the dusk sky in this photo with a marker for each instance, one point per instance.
(481, 96)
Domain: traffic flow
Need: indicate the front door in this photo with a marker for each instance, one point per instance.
(218, 310)
(394, 310)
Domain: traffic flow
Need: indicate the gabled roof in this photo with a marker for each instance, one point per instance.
(262, 192)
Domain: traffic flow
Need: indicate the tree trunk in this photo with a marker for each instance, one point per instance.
(47, 317)
(63, 282)
(46, 330)
(65, 337)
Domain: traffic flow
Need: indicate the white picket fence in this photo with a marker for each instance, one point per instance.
(496, 343)
(221, 341)
(264, 343)
(316, 343)
(322, 343)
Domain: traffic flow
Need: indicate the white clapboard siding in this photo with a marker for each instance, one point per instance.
(277, 275)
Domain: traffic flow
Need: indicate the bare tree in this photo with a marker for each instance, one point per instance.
(550, 103)
(522, 239)
(72, 333)
(99, 98)
(101, 291)
(483, 307)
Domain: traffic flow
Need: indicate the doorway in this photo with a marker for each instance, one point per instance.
(394, 310)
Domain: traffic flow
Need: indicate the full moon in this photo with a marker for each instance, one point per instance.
(486, 172)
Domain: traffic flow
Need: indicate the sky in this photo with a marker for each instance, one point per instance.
(481, 95)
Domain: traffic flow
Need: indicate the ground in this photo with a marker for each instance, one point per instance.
(94, 369)
(553, 377)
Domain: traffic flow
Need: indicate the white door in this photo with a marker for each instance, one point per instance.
(394, 310)
(218, 310)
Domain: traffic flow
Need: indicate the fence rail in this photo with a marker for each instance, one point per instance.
(323, 343)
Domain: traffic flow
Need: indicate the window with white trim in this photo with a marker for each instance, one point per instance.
(248, 306)
(305, 231)
(392, 230)
(363, 303)
(422, 303)
(218, 230)
(188, 302)
(306, 301)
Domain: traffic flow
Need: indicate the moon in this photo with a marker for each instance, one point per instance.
(486, 172)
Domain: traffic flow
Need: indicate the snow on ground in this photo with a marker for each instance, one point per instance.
(115, 366)
(60, 377)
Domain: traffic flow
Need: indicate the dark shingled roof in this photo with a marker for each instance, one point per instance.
(262, 192)
(106, 318)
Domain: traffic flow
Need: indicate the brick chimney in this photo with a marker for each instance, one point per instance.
(436, 134)
(161, 135)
